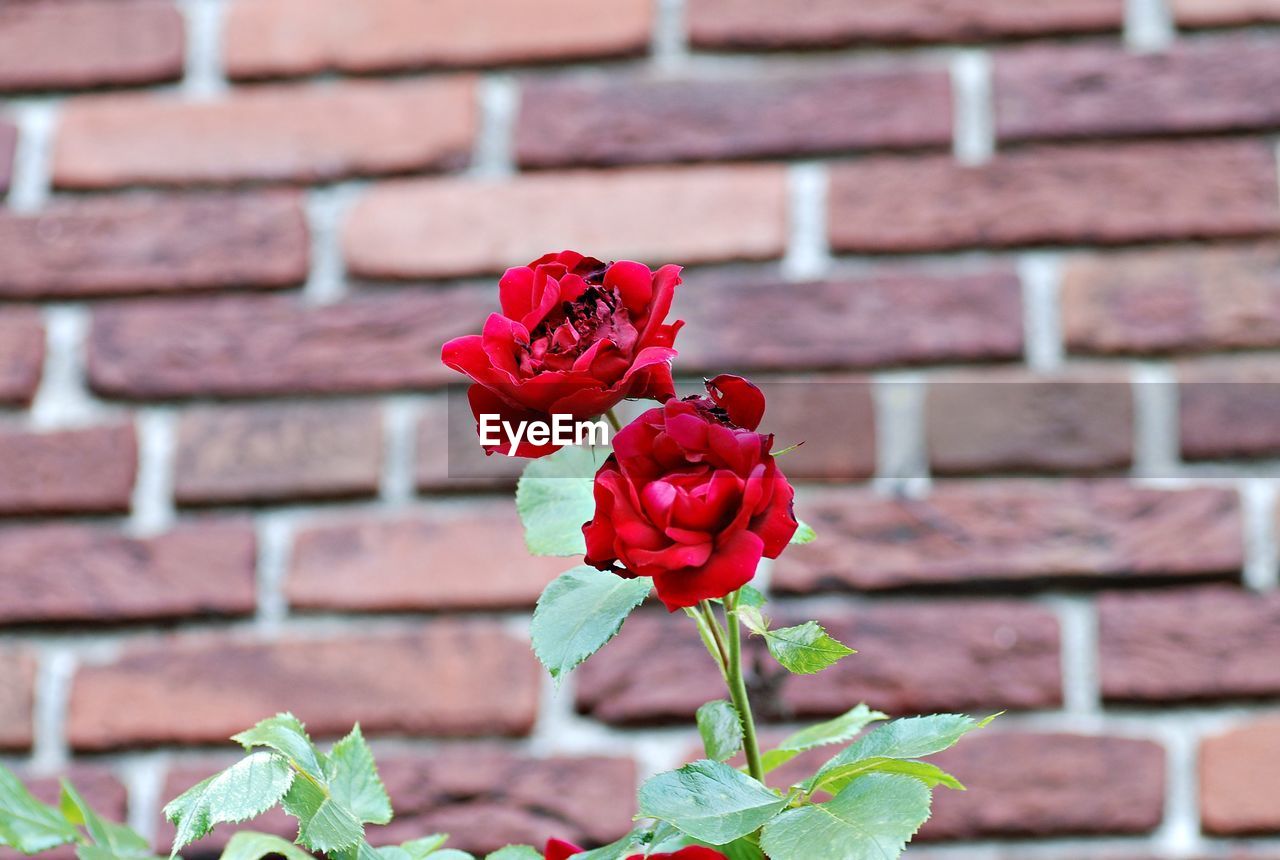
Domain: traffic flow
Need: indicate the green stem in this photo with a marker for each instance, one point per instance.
(738, 690)
(706, 624)
(613, 419)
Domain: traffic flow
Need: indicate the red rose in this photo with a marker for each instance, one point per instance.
(557, 850)
(575, 337)
(692, 497)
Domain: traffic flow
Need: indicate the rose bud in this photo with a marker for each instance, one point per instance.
(692, 497)
(557, 850)
(575, 337)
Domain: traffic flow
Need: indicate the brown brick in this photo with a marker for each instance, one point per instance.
(1172, 300)
(449, 227)
(273, 453)
(629, 120)
(8, 144)
(74, 44)
(483, 797)
(427, 562)
(1229, 408)
(1238, 780)
(274, 38)
(17, 699)
(1015, 532)
(21, 355)
(891, 316)
(912, 658)
(1087, 194)
(87, 574)
(97, 785)
(1199, 644)
(67, 471)
(456, 679)
(300, 133)
(749, 24)
(449, 456)
(1225, 13)
(1203, 85)
(840, 447)
(1013, 421)
(1025, 784)
(154, 244)
(250, 346)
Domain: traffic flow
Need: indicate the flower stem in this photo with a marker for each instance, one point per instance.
(613, 419)
(738, 690)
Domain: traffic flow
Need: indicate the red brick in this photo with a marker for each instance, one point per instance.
(264, 134)
(893, 315)
(606, 121)
(17, 699)
(1239, 782)
(912, 658)
(273, 453)
(749, 24)
(449, 227)
(274, 38)
(8, 144)
(1200, 644)
(1229, 408)
(840, 447)
(451, 678)
(21, 355)
(90, 575)
(68, 471)
(1026, 784)
(1013, 421)
(448, 455)
(1186, 300)
(97, 785)
(75, 44)
(1015, 532)
(1087, 194)
(1225, 13)
(483, 797)
(154, 244)
(1203, 85)
(428, 562)
(271, 345)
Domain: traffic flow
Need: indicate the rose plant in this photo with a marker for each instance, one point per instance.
(687, 503)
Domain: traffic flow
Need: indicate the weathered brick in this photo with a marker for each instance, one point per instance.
(891, 316)
(21, 355)
(17, 699)
(74, 44)
(1225, 13)
(1229, 408)
(1198, 644)
(1239, 782)
(1012, 421)
(427, 562)
(1029, 784)
(251, 346)
(67, 471)
(606, 121)
(90, 575)
(912, 658)
(448, 455)
(154, 244)
(1015, 532)
(97, 785)
(8, 144)
(750, 24)
(272, 453)
(449, 227)
(840, 447)
(452, 678)
(483, 797)
(1141, 302)
(275, 38)
(1085, 194)
(1201, 85)
(298, 133)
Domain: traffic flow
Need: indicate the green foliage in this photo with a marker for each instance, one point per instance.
(872, 819)
(354, 782)
(243, 791)
(721, 729)
(247, 845)
(804, 534)
(554, 498)
(709, 801)
(515, 852)
(803, 650)
(579, 612)
(110, 841)
(26, 824)
(836, 731)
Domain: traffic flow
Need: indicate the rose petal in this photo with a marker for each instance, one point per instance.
(730, 566)
(743, 401)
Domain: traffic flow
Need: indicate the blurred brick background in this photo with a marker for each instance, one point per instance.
(236, 233)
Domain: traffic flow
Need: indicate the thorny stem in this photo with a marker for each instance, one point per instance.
(738, 690)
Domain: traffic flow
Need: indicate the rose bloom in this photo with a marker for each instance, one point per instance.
(575, 337)
(692, 497)
(557, 850)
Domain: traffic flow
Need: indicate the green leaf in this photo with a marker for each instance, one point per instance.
(709, 801)
(742, 849)
(26, 824)
(805, 649)
(353, 779)
(248, 845)
(110, 839)
(415, 849)
(245, 790)
(721, 729)
(911, 738)
(837, 731)
(619, 850)
(579, 612)
(930, 774)
(325, 824)
(515, 852)
(452, 854)
(287, 736)
(804, 534)
(872, 819)
(748, 596)
(555, 498)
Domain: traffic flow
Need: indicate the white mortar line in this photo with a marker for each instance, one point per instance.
(1179, 833)
(152, 506)
(144, 777)
(1148, 26)
(973, 107)
(37, 121)
(1262, 555)
(1078, 625)
(326, 209)
(670, 43)
(808, 255)
(63, 399)
(1155, 421)
(275, 546)
(1041, 276)
(902, 457)
(498, 97)
(204, 76)
(400, 415)
(53, 693)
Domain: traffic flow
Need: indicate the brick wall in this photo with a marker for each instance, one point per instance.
(1021, 244)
